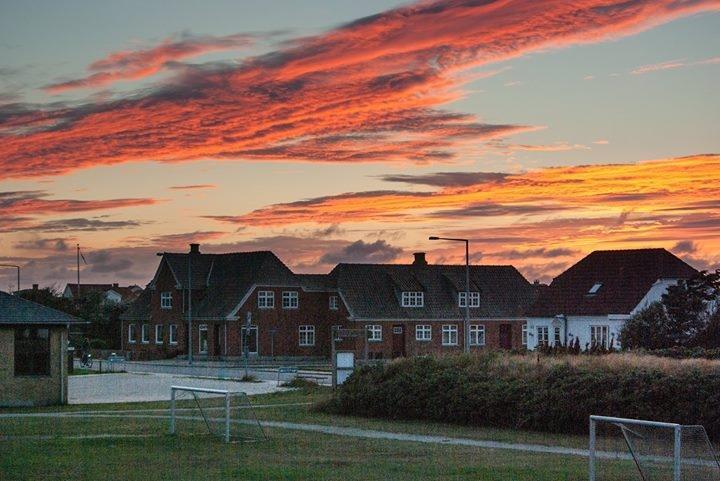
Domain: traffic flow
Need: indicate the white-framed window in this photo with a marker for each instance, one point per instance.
(474, 299)
(450, 335)
(306, 335)
(132, 335)
(477, 335)
(166, 300)
(145, 333)
(542, 335)
(266, 299)
(557, 338)
(336, 329)
(423, 332)
(524, 334)
(158, 333)
(290, 300)
(203, 339)
(599, 335)
(172, 338)
(413, 299)
(594, 289)
(374, 333)
(334, 303)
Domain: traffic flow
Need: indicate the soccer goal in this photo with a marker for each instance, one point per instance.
(227, 415)
(657, 451)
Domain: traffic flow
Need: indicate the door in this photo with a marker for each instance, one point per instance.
(203, 339)
(249, 336)
(398, 341)
(506, 336)
(218, 344)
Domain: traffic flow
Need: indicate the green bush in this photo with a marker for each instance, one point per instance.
(687, 353)
(501, 391)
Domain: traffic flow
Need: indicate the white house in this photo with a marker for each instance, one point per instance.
(113, 293)
(592, 299)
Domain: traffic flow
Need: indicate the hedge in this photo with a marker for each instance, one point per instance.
(502, 391)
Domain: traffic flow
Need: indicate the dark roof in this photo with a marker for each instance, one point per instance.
(128, 293)
(16, 310)
(222, 279)
(374, 291)
(626, 277)
(317, 282)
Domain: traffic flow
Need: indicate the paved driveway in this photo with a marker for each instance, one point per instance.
(130, 387)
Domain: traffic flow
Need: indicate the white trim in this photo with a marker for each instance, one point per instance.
(268, 298)
(474, 299)
(170, 336)
(131, 337)
(164, 297)
(426, 330)
(333, 302)
(201, 328)
(144, 335)
(162, 334)
(479, 330)
(290, 296)
(307, 330)
(412, 299)
(373, 329)
(450, 329)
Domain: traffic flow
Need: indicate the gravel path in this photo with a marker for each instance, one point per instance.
(129, 387)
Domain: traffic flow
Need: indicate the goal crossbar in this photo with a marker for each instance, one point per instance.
(194, 390)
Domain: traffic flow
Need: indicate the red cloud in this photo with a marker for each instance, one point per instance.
(35, 202)
(135, 64)
(368, 91)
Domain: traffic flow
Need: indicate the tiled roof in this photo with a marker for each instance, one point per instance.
(625, 277)
(317, 282)
(374, 291)
(139, 309)
(18, 311)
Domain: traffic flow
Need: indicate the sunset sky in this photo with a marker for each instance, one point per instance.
(348, 131)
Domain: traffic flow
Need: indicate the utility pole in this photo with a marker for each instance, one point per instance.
(190, 350)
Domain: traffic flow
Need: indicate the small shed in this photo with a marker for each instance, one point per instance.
(33, 352)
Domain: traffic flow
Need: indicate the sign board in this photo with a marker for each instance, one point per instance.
(344, 366)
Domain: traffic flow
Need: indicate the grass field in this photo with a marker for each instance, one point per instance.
(288, 455)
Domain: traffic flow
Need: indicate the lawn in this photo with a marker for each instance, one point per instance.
(287, 455)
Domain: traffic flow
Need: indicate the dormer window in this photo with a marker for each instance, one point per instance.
(594, 289)
(166, 300)
(413, 299)
(474, 299)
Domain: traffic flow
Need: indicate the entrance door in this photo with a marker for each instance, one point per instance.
(218, 344)
(506, 336)
(398, 341)
(251, 338)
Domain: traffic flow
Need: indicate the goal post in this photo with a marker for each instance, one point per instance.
(225, 414)
(658, 450)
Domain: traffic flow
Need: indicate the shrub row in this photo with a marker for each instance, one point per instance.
(687, 353)
(496, 390)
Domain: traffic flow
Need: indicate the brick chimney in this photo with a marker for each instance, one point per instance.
(115, 284)
(420, 259)
(36, 287)
(194, 248)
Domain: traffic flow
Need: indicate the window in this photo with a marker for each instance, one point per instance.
(131, 334)
(594, 289)
(173, 334)
(145, 334)
(266, 299)
(450, 335)
(203, 339)
(158, 333)
(423, 332)
(542, 335)
(374, 333)
(337, 330)
(166, 300)
(290, 300)
(557, 338)
(333, 303)
(32, 352)
(307, 335)
(413, 299)
(524, 334)
(599, 335)
(477, 335)
(474, 299)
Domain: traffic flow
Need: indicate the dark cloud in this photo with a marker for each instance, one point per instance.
(685, 247)
(106, 261)
(192, 187)
(361, 251)
(539, 252)
(489, 210)
(448, 179)
(80, 224)
(57, 244)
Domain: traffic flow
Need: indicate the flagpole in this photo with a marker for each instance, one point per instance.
(78, 271)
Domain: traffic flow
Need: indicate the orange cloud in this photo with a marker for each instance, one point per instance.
(36, 202)
(367, 91)
(137, 64)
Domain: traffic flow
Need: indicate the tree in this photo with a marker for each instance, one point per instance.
(686, 305)
(648, 329)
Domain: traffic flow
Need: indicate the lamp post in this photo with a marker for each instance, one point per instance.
(17, 290)
(466, 324)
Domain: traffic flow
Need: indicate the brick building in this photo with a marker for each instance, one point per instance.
(409, 309)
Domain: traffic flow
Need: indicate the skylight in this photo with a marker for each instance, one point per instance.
(594, 289)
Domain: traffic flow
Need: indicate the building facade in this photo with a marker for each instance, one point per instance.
(33, 353)
(590, 302)
(404, 310)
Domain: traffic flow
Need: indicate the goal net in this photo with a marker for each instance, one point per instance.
(227, 415)
(656, 451)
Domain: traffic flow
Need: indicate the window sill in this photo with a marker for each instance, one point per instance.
(423, 340)
(450, 345)
(266, 308)
(144, 342)
(159, 343)
(306, 345)
(172, 343)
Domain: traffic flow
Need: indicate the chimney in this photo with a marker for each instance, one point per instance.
(115, 284)
(36, 287)
(194, 248)
(419, 259)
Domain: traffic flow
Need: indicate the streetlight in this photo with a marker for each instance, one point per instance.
(17, 291)
(466, 324)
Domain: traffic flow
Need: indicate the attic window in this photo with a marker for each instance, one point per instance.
(413, 299)
(594, 289)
